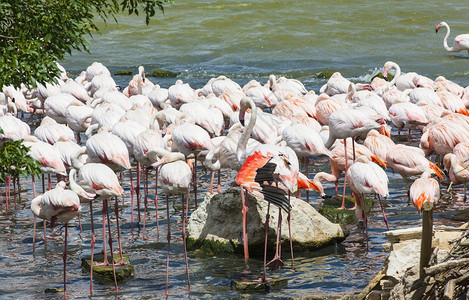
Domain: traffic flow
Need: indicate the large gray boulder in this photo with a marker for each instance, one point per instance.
(216, 225)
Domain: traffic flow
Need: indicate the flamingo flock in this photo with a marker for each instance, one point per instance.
(91, 133)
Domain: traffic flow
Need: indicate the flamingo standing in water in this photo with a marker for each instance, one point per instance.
(352, 123)
(96, 181)
(57, 205)
(267, 163)
(458, 173)
(175, 177)
(460, 43)
(366, 177)
(424, 189)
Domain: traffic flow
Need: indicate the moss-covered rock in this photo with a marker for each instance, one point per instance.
(216, 226)
(326, 74)
(380, 75)
(123, 73)
(343, 216)
(212, 247)
(162, 73)
(105, 272)
(257, 286)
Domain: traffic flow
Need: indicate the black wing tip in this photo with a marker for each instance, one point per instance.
(276, 196)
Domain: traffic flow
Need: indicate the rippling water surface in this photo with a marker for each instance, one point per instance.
(244, 40)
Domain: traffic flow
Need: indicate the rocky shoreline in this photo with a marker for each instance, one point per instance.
(446, 277)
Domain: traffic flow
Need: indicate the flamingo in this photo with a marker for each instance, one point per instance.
(96, 181)
(366, 177)
(424, 189)
(458, 173)
(175, 177)
(452, 102)
(336, 84)
(269, 163)
(378, 143)
(57, 205)
(50, 131)
(262, 96)
(55, 106)
(76, 90)
(139, 85)
(402, 82)
(158, 96)
(144, 142)
(78, 118)
(95, 69)
(460, 43)
(191, 139)
(181, 93)
(410, 161)
(407, 115)
(289, 84)
(325, 106)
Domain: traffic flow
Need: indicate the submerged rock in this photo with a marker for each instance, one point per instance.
(105, 273)
(346, 216)
(216, 226)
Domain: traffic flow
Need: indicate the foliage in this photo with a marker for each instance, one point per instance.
(34, 34)
(15, 161)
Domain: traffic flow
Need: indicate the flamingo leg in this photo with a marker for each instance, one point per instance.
(65, 261)
(307, 175)
(195, 181)
(345, 178)
(34, 233)
(289, 234)
(245, 227)
(384, 213)
(110, 244)
(266, 225)
(168, 238)
(93, 242)
(137, 190)
(277, 262)
(219, 182)
(185, 245)
(145, 201)
(14, 191)
(156, 205)
(104, 210)
(116, 211)
(210, 190)
(7, 190)
(131, 197)
(465, 197)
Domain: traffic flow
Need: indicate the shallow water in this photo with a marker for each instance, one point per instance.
(202, 39)
(328, 273)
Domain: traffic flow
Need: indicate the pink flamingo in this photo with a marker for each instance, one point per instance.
(460, 43)
(96, 181)
(366, 177)
(57, 205)
(458, 172)
(424, 189)
(175, 177)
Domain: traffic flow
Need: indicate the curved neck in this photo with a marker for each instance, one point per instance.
(445, 40)
(396, 75)
(75, 159)
(243, 140)
(36, 207)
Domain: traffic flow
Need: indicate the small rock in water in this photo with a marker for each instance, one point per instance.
(53, 290)
(105, 272)
(257, 285)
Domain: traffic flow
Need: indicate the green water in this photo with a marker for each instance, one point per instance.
(244, 40)
(251, 39)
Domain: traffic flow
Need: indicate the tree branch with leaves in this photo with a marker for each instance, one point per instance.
(35, 34)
